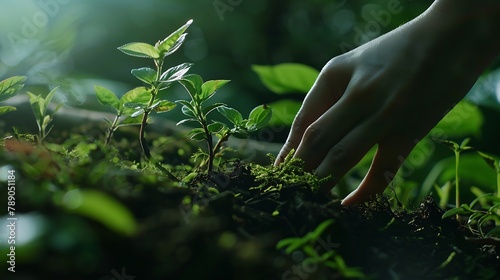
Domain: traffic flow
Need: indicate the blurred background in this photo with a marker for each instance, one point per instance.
(72, 45)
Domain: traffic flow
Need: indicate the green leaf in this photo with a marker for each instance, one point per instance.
(188, 112)
(137, 113)
(134, 105)
(11, 86)
(46, 120)
(37, 105)
(464, 120)
(102, 208)
(284, 112)
(215, 127)
(209, 88)
(453, 212)
(192, 83)
(286, 242)
(491, 160)
(197, 134)
(175, 73)
(320, 229)
(231, 114)
(138, 49)
(473, 169)
(176, 45)
(139, 95)
(163, 106)
(495, 232)
(186, 120)
(6, 109)
(48, 99)
(240, 133)
(132, 121)
(212, 107)
(168, 43)
(145, 74)
(448, 143)
(259, 117)
(107, 97)
(287, 77)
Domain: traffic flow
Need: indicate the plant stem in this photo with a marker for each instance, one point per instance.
(144, 123)
(498, 185)
(210, 144)
(219, 143)
(111, 130)
(214, 150)
(142, 139)
(457, 189)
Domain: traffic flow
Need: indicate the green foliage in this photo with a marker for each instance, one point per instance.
(465, 119)
(8, 89)
(457, 149)
(289, 172)
(308, 244)
(39, 105)
(196, 111)
(488, 204)
(101, 207)
(479, 219)
(286, 78)
(137, 104)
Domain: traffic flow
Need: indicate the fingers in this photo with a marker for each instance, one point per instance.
(385, 165)
(344, 155)
(325, 92)
(321, 139)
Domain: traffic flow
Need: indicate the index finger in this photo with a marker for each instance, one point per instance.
(326, 91)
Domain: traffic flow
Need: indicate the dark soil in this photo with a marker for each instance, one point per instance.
(223, 226)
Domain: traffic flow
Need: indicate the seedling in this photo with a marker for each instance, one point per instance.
(198, 112)
(136, 106)
(146, 100)
(39, 106)
(308, 244)
(123, 114)
(457, 149)
(8, 89)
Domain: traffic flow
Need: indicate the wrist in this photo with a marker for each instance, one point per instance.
(464, 30)
(477, 22)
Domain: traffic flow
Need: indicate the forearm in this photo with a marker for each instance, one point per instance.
(477, 21)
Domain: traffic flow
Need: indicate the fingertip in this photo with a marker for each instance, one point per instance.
(350, 199)
(279, 159)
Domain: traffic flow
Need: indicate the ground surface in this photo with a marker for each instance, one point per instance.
(226, 226)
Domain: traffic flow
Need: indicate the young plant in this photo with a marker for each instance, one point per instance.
(8, 89)
(488, 211)
(196, 111)
(146, 99)
(457, 149)
(39, 106)
(309, 245)
(123, 115)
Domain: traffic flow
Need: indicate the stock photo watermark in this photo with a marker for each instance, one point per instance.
(11, 220)
(223, 6)
(306, 265)
(31, 26)
(122, 275)
(373, 24)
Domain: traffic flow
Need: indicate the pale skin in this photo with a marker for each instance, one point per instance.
(391, 91)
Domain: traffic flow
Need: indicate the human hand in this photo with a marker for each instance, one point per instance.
(389, 92)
